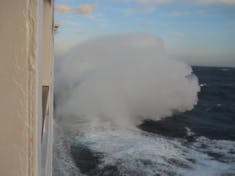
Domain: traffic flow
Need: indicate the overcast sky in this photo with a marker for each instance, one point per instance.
(200, 32)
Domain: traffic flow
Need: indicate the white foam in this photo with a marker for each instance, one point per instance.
(153, 154)
(203, 85)
(125, 79)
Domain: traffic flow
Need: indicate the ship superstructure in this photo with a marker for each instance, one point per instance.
(26, 89)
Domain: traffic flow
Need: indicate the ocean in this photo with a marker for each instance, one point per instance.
(192, 143)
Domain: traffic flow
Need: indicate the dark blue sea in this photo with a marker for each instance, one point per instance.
(200, 142)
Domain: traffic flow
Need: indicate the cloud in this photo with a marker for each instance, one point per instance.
(198, 2)
(178, 14)
(63, 8)
(142, 1)
(209, 2)
(202, 2)
(153, 1)
(85, 9)
(145, 6)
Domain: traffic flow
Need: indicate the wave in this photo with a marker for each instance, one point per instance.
(125, 79)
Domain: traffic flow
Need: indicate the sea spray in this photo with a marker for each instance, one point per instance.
(105, 86)
(123, 79)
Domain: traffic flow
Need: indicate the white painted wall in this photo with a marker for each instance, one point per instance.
(21, 77)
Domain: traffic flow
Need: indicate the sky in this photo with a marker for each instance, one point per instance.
(198, 32)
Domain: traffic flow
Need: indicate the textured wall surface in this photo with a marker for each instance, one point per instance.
(20, 107)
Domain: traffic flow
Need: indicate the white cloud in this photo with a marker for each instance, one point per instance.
(153, 1)
(199, 2)
(208, 2)
(85, 9)
(63, 8)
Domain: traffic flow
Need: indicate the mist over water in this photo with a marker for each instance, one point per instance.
(123, 79)
(106, 87)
